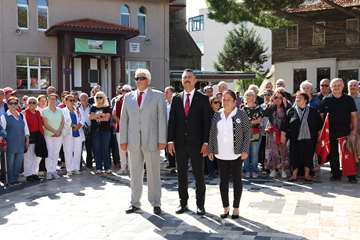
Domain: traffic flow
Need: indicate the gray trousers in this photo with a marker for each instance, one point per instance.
(136, 164)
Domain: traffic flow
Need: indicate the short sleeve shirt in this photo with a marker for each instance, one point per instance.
(100, 126)
(339, 110)
(53, 119)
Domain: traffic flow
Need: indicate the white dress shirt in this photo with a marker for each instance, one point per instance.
(84, 113)
(3, 122)
(168, 109)
(225, 137)
(191, 96)
(143, 96)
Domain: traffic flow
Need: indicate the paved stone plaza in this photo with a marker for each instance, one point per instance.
(93, 207)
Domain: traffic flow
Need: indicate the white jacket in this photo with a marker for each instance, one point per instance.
(67, 123)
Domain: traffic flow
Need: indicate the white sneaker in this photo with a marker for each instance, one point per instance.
(254, 175)
(69, 173)
(247, 175)
(49, 176)
(273, 173)
(108, 171)
(283, 174)
(98, 172)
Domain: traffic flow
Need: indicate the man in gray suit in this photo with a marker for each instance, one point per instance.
(143, 129)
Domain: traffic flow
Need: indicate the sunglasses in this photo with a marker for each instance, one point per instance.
(13, 103)
(140, 78)
(324, 85)
(99, 97)
(216, 102)
(32, 103)
(71, 100)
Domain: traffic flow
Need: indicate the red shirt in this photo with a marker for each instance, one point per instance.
(34, 121)
(118, 106)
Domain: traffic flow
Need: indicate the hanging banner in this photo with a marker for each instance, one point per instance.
(95, 46)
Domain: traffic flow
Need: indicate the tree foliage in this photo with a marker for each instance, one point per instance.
(271, 14)
(243, 51)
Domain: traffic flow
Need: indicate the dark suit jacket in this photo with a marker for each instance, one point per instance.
(193, 130)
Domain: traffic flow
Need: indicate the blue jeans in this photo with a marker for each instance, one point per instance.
(101, 148)
(14, 164)
(251, 163)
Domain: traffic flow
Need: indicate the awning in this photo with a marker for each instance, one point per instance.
(215, 76)
(87, 25)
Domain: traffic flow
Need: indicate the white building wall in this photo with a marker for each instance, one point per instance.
(214, 35)
(285, 70)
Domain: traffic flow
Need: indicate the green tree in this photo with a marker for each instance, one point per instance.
(243, 51)
(273, 13)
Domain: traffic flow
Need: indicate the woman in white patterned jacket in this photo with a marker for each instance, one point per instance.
(229, 142)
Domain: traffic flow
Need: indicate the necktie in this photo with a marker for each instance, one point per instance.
(187, 104)
(139, 99)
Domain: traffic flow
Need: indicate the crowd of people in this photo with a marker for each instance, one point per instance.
(267, 131)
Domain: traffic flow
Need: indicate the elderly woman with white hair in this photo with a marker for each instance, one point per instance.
(307, 87)
(100, 116)
(36, 129)
(254, 114)
(259, 100)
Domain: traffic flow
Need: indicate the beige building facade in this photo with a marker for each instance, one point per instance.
(75, 44)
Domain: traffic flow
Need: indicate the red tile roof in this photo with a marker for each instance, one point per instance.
(319, 6)
(87, 25)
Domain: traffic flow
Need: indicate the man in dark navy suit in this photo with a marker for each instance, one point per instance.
(188, 134)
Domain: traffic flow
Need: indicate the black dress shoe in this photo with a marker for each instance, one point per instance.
(157, 210)
(200, 211)
(352, 179)
(29, 179)
(234, 216)
(132, 209)
(224, 215)
(182, 209)
(335, 178)
(36, 177)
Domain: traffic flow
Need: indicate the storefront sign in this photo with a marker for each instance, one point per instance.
(95, 46)
(134, 47)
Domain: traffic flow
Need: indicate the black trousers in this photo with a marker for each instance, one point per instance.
(2, 166)
(89, 153)
(334, 159)
(114, 147)
(42, 167)
(183, 154)
(233, 169)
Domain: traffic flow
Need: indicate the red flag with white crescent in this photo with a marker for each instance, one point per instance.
(323, 146)
(347, 158)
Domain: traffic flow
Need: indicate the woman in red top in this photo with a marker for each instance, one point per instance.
(35, 124)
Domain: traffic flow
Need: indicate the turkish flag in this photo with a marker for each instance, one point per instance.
(323, 146)
(347, 158)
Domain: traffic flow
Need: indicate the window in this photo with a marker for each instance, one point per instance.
(125, 15)
(352, 25)
(292, 37)
(348, 74)
(23, 14)
(321, 74)
(299, 76)
(319, 34)
(196, 23)
(33, 73)
(43, 12)
(142, 21)
(131, 67)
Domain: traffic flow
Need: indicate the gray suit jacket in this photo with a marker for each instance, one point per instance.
(143, 127)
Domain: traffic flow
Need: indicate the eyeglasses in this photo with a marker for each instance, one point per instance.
(324, 85)
(99, 97)
(140, 78)
(32, 103)
(71, 100)
(13, 103)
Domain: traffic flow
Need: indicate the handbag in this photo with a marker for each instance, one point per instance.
(40, 143)
(40, 146)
